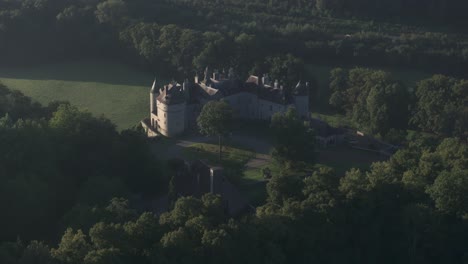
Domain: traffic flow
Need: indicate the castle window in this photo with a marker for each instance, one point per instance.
(165, 115)
(271, 108)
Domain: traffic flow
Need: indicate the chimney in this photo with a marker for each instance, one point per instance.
(266, 79)
(186, 87)
(216, 180)
(276, 84)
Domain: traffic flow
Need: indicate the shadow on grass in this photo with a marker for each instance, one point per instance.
(99, 71)
(234, 163)
(343, 158)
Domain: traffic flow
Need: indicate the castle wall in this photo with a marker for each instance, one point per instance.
(302, 105)
(152, 102)
(266, 109)
(154, 121)
(244, 105)
(191, 114)
(171, 119)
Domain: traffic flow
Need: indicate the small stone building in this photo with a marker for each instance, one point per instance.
(197, 178)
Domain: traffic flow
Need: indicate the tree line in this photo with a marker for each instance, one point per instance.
(84, 186)
(410, 209)
(179, 37)
(379, 104)
(56, 162)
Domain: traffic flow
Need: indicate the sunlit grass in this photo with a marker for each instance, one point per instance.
(114, 90)
(231, 156)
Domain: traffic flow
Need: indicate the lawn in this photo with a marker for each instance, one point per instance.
(231, 156)
(254, 185)
(114, 90)
(343, 158)
(250, 182)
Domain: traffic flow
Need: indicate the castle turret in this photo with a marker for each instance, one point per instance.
(153, 95)
(301, 99)
(266, 79)
(231, 74)
(153, 109)
(171, 105)
(186, 89)
(207, 75)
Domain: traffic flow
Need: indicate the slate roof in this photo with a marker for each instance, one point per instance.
(172, 94)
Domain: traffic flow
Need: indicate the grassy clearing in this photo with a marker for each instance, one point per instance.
(254, 185)
(335, 120)
(231, 156)
(114, 90)
(250, 182)
(343, 158)
(256, 174)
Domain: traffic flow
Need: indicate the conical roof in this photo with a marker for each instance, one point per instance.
(154, 89)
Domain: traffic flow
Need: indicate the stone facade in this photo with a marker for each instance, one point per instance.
(175, 107)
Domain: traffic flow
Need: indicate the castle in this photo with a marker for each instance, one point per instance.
(175, 107)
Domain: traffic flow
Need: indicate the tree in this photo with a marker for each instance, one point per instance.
(294, 142)
(449, 192)
(285, 68)
(215, 119)
(104, 256)
(111, 11)
(36, 253)
(320, 188)
(73, 247)
(283, 187)
(375, 101)
(441, 106)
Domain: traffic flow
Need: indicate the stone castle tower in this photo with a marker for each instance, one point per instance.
(168, 109)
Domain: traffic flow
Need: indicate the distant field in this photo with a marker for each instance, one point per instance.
(114, 90)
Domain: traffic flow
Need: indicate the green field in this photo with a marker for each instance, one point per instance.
(114, 90)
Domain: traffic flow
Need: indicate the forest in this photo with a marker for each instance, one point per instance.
(181, 37)
(74, 189)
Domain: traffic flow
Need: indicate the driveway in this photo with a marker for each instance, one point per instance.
(173, 148)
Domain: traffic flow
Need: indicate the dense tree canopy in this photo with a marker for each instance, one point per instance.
(178, 36)
(51, 164)
(293, 141)
(441, 106)
(374, 100)
(216, 119)
(411, 208)
(75, 190)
